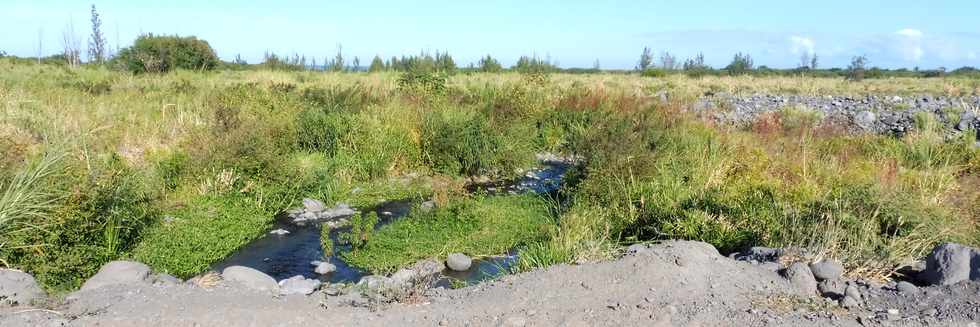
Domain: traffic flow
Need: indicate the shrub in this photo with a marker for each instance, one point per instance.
(155, 54)
(459, 142)
(654, 72)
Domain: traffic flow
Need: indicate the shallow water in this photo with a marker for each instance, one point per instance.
(285, 256)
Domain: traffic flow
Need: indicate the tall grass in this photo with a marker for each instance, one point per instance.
(28, 198)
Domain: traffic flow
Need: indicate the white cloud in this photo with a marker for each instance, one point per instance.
(802, 44)
(911, 33)
(971, 55)
(910, 44)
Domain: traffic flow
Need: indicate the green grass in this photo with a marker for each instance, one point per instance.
(205, 231)
(477, 227)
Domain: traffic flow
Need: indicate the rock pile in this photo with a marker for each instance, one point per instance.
(314, 211)
(875, 114)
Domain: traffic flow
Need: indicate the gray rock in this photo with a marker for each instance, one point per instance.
(760, 254)
(967, 120)
(832, 288)
(19, 288)
(827, 269)
(865, 120)
(118, 272)
(312, 205)
(279, 231)
(906, 287)
(951, 263)
(298, 285)
(324, 268)
(427, 206)
(799, 275)
(423, 271)
(852, 291)
(376, 283)
(459, 262)
(166, 280)
(250, 278)
(637, 249)
(849, 302)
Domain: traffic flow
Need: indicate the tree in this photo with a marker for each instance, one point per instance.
(668, 61)
(804, 61)
(153, 54)
(741, 65)
(337, 64)
(695, 67)
(646, 60)
(489, 65)
(356, 64)
(595, 66)
(96, 43)
(377, 64)
(856, 70)
(813, 62)
(71, 45)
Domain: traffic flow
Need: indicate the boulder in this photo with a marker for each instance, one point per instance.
(906, 287)
(967, 121)
(118, 272)
(313, 205)
(832, 288)
(799, 275)
(865, 119)
(951, 263)
(166, 280)
(250, 278)
(298, 285)
(459, 262)
(637, 249)
(324, 268)
(423, 271)
(827, 269)
(18, 288)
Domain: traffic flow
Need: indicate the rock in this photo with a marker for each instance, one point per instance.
(832, 288)
(279, 231)
(852, 292)
(19, 288)
(331, 290)
(118, 272)
(427, 206)
(166, 280)
(827, 269)
(324, 268)
(849, 302)
(951, 263)
(376, 283)
(459, 262)
(424, 271)
(760, 254)
(312, 205)
(865, 120)
(250, 278)
(896, 99)
(338, 211)
(906, 287)
(799, 275)
(637, 249)
(967, 120)
(298, 285)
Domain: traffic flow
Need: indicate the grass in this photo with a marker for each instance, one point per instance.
(205, 231)
(222, 152)
(477, 227)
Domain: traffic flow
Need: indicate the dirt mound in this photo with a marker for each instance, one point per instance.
(675, 283)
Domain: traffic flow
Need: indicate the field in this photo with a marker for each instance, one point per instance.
(178, 170)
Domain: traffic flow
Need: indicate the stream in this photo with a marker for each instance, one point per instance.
(286, 255)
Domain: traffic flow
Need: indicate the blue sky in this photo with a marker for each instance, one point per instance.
(895, 33)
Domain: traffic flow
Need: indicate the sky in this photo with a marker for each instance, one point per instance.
(573, 33)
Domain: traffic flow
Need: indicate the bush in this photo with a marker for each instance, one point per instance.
(156, 54)
(654, 72)
(460, 142)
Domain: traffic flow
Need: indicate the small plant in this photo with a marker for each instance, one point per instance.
(422, 82)
(362, 227)
(326, 243)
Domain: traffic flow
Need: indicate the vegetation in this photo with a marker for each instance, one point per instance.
(180, 169)
(155, 54)
(478, 226)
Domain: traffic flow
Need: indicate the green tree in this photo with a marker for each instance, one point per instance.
(646, 60)
(377, 64)
(337, 64)
(489, 65)
(695, 67)
(96, 43)
(741, 65)
(857, 70)
(152, 54)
